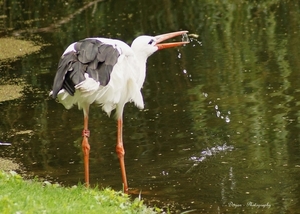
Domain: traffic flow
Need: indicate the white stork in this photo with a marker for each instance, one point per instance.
(107, 72)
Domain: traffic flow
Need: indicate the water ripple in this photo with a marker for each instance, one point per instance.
(211, 151)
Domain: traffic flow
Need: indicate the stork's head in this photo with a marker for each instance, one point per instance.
(147, 45)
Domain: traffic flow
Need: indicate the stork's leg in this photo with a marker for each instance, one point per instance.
(86, 147)
(121, 152)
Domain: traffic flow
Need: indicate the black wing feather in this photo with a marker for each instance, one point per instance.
(91, 56)
(64, 66)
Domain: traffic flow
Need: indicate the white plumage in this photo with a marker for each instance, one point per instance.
(107, 72)
(125, 83)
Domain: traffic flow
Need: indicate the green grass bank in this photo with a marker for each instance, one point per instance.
(18, 195)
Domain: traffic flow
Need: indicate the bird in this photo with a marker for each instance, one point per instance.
(110, 73)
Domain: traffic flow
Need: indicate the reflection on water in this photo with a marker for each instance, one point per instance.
(220, 130)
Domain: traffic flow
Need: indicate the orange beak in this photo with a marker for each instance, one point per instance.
(166, 36)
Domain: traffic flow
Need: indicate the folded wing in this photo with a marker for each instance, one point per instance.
(89, 56)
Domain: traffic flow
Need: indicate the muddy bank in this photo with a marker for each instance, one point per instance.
(12, 48)
(10, 92)
(7, 165)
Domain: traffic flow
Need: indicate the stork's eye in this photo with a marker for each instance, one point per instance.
(151, 41)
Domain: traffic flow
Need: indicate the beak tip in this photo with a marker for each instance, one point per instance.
(166, 36)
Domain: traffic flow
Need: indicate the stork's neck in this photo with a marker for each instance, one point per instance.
(141, 61)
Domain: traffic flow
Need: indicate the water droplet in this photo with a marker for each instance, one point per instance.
(193, 39)
(227, 119)
(164, 173)
(185, 38)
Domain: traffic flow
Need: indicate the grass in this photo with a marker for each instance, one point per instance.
(31, 196)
